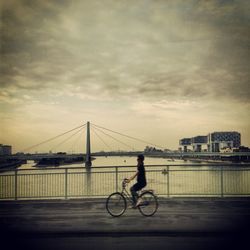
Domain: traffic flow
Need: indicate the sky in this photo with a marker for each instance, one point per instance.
(157, 70)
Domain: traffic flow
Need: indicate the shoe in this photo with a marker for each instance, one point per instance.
(132, 207)
(139, 202)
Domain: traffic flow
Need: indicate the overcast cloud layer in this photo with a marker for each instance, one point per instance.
(153, 58)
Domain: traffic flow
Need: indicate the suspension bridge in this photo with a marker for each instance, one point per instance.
(75, 145)
(68, 147)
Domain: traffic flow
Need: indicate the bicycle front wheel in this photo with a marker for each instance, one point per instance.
(116, 204)
(148, 204)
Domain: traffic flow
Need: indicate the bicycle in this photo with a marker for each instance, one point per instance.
(116, 203)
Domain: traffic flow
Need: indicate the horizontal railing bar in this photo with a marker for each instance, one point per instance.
(214, 194)
(39, 174)
(201, 170)
(226, 194)
(105, 196)
(129, 171)
(40, 197)
(133, 166)
(108, 172)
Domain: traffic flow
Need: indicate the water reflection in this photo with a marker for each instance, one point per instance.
(88, 181)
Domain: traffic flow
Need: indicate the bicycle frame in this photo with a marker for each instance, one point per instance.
(126, 194)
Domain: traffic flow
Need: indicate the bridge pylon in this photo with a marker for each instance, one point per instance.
(88, 162)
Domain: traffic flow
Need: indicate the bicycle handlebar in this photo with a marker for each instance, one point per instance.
(124, 182)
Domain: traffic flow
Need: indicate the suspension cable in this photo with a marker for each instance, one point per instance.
(115, 139)
(129, 136)
(101, 139)
(59, 144)
(53, 138)
(76, 142)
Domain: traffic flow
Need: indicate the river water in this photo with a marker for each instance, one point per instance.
(118, 161)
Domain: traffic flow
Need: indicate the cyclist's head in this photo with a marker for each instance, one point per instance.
(140, 157)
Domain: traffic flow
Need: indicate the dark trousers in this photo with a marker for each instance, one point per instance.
(136, 187)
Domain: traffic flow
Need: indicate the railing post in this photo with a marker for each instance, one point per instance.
(221, 181)
(168, 181)
(16, 184)
(66, 184)
(116, 179)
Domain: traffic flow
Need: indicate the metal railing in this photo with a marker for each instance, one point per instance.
(167, 180)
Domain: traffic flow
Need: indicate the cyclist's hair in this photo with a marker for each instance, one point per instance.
(141, 157)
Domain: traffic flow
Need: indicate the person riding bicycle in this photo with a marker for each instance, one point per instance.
(141, 180)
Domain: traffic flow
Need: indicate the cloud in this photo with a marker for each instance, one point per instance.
(151, 49)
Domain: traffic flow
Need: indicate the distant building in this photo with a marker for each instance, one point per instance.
(198, 141)
(185, 142)
(213, 142)
(219, 140)
(5, 149)
(195, 142)
(151, 150)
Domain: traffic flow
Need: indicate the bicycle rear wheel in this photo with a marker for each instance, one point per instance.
(148, 203)
(116, 204)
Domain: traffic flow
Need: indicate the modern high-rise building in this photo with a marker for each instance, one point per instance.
(213, 142)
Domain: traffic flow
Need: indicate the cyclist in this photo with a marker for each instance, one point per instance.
(141, 180)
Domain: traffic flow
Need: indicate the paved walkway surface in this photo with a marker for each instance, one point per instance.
(215, 218)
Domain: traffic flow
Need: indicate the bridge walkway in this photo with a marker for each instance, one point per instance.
(199, 222)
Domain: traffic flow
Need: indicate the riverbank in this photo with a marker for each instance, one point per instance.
(56, 162)
(204, 157)
(11, 164)
(209, 161)
(38, 165)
